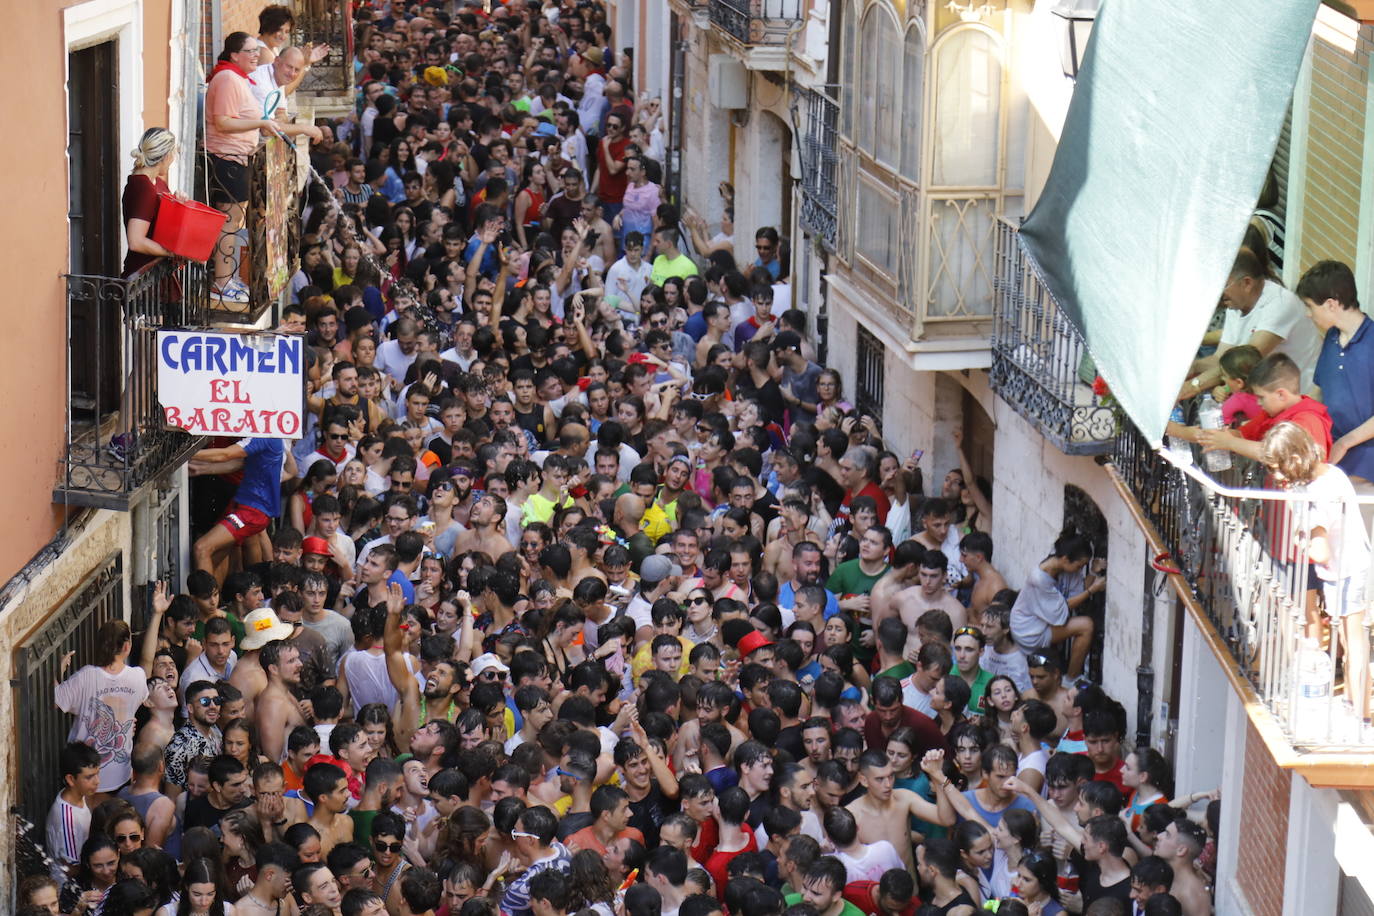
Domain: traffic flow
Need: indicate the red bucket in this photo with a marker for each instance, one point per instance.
(187, 228)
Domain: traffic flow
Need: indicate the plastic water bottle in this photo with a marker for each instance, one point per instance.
(1312, 699)
(1181, 449)
(1209, 417)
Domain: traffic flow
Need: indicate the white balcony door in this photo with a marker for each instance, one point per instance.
(964, 171)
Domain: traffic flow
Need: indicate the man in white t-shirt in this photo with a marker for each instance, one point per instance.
(627, 277)
(1264, 315)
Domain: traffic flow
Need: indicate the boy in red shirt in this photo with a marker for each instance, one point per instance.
(1274, 381)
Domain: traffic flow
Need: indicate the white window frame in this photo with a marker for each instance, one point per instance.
(92, 23)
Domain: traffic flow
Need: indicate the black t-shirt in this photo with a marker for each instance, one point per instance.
(647, 814)
(758, 810)
(572, 823)
(790, 740)
(200, 813)
(1090, 883)
(562, 210)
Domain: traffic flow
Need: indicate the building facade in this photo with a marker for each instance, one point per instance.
(897, 146)
(90, 529)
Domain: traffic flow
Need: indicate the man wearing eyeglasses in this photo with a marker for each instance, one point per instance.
(536, 847)
(767, 244)
(199, 737)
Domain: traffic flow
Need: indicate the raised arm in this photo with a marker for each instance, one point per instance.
(407, 714)
(1048, 812)
(161, 602)
(980, 501)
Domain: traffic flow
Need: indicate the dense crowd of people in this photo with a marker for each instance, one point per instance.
(586, 590)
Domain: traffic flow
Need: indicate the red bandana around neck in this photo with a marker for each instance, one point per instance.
(232, 67)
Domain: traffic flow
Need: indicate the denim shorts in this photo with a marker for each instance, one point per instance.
(1344, 596)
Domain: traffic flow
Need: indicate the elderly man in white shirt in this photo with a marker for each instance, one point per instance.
(284, 73)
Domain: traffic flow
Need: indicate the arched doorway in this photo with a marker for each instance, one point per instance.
(1082, 515)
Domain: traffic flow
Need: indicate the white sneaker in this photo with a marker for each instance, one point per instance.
(233, 291)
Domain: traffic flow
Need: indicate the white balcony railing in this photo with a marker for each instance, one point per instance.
(1243, 550)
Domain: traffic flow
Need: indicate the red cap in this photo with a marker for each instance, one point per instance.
(316, 546)
(752, 642)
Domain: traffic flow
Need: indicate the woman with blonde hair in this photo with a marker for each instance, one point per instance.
(1338, 545)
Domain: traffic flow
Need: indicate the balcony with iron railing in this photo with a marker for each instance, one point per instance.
(329, 82)
(1237, 553)
(1040, 366)
(116, 441)
(761, 24)
(263, 256)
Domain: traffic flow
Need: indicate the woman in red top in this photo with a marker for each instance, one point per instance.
(529, 203)
(153, 158)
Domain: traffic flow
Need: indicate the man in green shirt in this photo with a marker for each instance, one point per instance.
(853, 581)
(670, 261)
(823, 888)
(892, 636)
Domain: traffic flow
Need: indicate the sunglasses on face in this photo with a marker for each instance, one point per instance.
(386, 847)
(209, 701)
(338, 437)
(128, 838)
(516, 834)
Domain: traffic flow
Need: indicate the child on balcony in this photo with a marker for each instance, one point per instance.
(1338, 544)
(1274, 381)
(1238, 403)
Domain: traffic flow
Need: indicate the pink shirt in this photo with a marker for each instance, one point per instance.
(230, 95)
(643, 200)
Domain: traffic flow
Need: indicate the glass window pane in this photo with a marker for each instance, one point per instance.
(849, 28)
(913, 90)
(878, 229)
(888, 54)
(968, 90)
(961, 257)
(868, 82)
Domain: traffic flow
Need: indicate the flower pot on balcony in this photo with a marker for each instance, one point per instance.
(187, 228)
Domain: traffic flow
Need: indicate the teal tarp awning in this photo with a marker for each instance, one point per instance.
(1165, 148)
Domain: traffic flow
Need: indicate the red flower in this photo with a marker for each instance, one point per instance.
(1100, 387)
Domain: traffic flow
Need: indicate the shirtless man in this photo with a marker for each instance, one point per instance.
(938, 533)
(713, 702)
(327, 786)
(1047, 687)
(581, 542)
(883, 812)
(906, 564)
(794, 528)
(1180, 844)
(261, 627)
(277, 710)
(929, 594)
(976, 552)
(484, 530)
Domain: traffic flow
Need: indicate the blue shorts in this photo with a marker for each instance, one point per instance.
(1344, 596)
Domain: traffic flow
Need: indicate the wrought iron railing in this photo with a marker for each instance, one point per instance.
(1040, 365)
(326, 22)
(819, 115)
(37, 664)
(116, 440)
(262, 257)
(756, 22)
(1242, 550)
